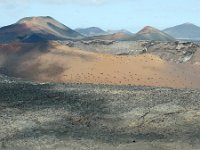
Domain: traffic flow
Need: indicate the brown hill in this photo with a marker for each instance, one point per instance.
(119, 36)
(60, 63)
(150, 33)
(37, 29)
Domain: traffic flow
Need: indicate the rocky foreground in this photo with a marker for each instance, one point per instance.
(83, 116)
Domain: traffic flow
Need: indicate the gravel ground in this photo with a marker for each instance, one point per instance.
(41, 116)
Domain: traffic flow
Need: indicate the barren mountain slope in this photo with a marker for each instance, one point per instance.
(37, 29)
(60, 63)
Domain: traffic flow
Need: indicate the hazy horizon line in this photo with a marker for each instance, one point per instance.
(137, 28)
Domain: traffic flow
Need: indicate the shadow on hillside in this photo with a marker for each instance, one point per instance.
(13, 57)
(26, 60)
(91, 108)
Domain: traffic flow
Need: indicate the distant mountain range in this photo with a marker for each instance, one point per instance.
(147, 33)
(92, 31)
(96, 31)
(36, 29)
(119, 31)
(184, 31)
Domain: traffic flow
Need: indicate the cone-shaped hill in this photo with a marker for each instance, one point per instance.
(36, 29)
(150, 33)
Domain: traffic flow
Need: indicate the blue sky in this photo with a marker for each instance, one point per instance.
(107, 14)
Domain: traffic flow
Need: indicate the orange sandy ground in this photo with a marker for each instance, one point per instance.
(71, 65)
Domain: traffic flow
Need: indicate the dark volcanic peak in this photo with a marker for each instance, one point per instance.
(188, 23)
(36, 18)
(45, 28)
(91, 31)
(184, 31)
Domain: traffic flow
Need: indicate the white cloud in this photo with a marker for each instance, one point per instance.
(49, 2)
